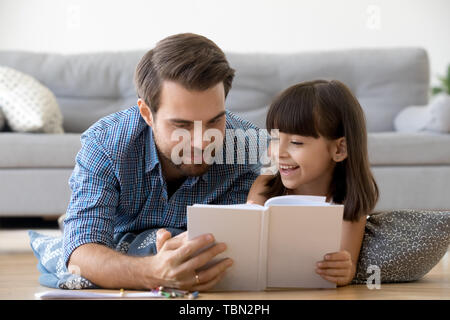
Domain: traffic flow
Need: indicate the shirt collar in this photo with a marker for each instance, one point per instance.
(151, 154)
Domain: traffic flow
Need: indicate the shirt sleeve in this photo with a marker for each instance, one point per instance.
(94, 199)
(241, 187)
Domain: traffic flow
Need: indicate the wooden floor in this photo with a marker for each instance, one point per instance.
(19, 280)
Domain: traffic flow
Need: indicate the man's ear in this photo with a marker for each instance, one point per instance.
(145, 111)
(340, 150)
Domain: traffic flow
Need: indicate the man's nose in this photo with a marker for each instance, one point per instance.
(197, 141)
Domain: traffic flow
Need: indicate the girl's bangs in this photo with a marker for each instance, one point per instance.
(294, 113)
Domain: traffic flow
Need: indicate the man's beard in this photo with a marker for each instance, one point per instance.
(185, 170)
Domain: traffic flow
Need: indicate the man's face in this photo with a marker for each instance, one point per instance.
(177, 111)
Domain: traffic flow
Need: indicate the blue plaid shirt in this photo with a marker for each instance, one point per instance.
(117, 184)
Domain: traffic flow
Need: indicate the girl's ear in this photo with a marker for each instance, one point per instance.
(340, 151)
(145, 112)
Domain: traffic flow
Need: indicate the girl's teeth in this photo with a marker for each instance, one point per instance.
(288, 167)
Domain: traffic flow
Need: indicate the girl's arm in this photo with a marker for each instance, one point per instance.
(340, 267)
(259, 185)
(352, 237)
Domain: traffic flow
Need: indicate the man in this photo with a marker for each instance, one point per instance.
(126, 178)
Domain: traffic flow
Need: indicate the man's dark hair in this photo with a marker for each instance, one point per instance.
(189, 59)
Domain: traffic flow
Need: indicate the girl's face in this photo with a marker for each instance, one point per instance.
(306, 164)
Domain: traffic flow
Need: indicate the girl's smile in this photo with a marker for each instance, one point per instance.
(305, 163)
(288, 170)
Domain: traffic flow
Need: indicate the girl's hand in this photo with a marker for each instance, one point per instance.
(337, 267)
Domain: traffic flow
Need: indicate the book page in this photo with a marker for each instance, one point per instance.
(239, 229)
(296, 200)
(89, 294)
(245, 206)
(300, 236)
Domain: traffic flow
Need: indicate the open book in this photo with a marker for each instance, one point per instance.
(273, 246)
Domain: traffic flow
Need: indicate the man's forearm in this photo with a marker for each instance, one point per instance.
(111, 269)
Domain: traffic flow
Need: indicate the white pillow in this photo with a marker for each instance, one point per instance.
(440, 111)
(28, 105)
(434, 117)
(2, 119)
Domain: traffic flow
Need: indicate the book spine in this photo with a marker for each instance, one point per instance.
(263, 247)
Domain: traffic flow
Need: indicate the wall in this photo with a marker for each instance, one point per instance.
(70, 26)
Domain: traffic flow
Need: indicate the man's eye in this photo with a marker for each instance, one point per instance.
(214, 122)
(182, 126)
(297, 143)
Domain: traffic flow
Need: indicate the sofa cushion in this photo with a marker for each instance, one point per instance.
(87, 86)
(384, 80)
(91, 85)
(28, 105)
(38, 150)
(395, 148)
(80, 114)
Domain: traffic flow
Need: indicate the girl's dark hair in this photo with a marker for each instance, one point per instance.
(329, 109)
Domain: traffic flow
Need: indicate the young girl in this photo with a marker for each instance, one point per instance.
(321, 149)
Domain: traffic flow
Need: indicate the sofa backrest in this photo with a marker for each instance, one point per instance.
(91, 85)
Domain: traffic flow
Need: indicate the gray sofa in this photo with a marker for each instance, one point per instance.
(412, 170)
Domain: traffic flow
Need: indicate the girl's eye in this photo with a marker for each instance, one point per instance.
(297, 143)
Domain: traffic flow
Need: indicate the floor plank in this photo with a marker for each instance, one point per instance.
(19, 280)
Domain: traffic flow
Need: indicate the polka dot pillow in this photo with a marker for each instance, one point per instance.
(404, 245)
(28, 106)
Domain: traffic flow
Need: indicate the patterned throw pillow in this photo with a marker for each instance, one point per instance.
(28, 105)
(403, 245)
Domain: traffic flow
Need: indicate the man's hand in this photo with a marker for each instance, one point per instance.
(162, 235)
(174, 267)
